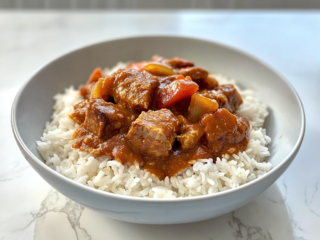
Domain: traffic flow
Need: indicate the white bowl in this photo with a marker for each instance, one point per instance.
(32, 108)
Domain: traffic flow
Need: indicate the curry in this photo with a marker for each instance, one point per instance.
(162, 115)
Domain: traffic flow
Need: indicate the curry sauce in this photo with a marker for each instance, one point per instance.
(161, 115)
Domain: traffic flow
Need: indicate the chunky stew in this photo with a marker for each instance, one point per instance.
(162, 115)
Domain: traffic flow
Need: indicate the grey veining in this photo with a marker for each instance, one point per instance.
(288, 41)
(55, 202)
(312, 196)
(243, 231)
(90, 225)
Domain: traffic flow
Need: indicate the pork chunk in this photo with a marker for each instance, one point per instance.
(85, 90)
(173, 62)
(197, 74)
(233, 96)
(209, 83)
(218, 96)
(200, 76)
(133, 89)
(80, 110)
(225, 130)
(226, 95)
(190, 133)
(105, 119)
(153, 132)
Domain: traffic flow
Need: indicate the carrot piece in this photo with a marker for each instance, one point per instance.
(95, 75)
(138, 66)
(175, 92)
(180, 77)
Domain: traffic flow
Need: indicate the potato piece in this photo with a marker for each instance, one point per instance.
(101, 89)
(158, 69)
(199, 106)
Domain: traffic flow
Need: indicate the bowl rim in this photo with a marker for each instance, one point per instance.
(157, 200)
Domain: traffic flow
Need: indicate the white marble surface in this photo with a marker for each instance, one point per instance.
(288, 41)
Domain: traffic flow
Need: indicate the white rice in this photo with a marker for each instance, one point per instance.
(204, 177)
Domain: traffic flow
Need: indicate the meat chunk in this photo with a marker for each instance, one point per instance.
(190, 133)
(200, 76)
(233, 96)
(173, 62)
(133, 89)
(197, 74)
(80, 110)
(181, 108)
(164, 81)
(218, 96)
(226, 95)
(86, 141)
(209, 83)
(225, 132)
(153, 132)
(105, 119)
(85, 90)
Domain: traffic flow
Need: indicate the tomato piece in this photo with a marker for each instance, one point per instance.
(95, 75)
(138, 66)
(175, 92)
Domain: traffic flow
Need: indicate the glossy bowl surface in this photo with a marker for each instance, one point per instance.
(32, 108)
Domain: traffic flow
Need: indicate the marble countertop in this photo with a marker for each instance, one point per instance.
(288, 41)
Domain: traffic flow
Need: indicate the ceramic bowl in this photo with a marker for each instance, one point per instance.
(32, 108)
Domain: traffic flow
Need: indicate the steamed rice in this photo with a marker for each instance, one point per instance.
(204, 177)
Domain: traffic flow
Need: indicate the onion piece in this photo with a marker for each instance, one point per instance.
(199, 106)
(158, 69)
